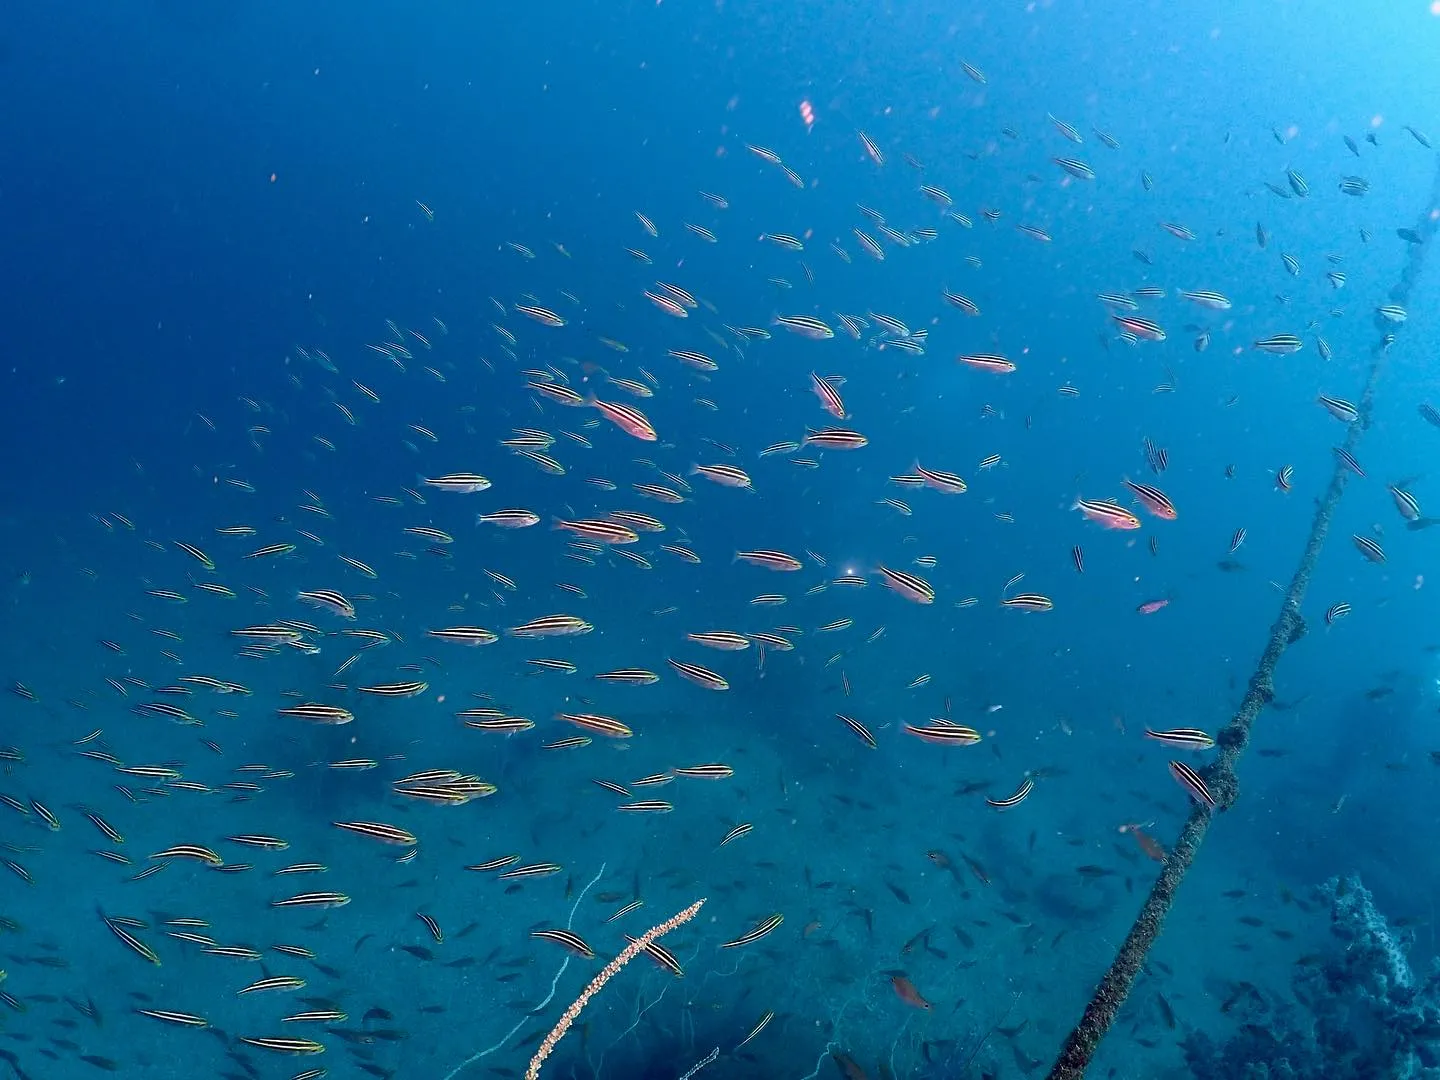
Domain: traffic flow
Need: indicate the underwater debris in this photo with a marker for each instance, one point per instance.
(1359, 1010)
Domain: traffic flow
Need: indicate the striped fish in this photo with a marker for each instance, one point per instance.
(754, 935)
(1183, 738)
(1194, 785)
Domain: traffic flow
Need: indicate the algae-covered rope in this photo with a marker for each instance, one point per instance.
(1234, 737)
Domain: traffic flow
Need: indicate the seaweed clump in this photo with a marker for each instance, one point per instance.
(1358, 1010)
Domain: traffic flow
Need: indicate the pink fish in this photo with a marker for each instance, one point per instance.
(1148, 843)
(1155, 500)
(828, 395)
(1149, 607)
(1107, 514)
(629, 420)
(907, 992)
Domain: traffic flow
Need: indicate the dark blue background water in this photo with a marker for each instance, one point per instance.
(191, 198)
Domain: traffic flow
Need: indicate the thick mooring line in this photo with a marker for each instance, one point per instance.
(1220, 775)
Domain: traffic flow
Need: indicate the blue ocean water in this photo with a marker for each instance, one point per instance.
(265, 272)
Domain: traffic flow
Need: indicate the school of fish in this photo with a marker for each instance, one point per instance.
(432, 610)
